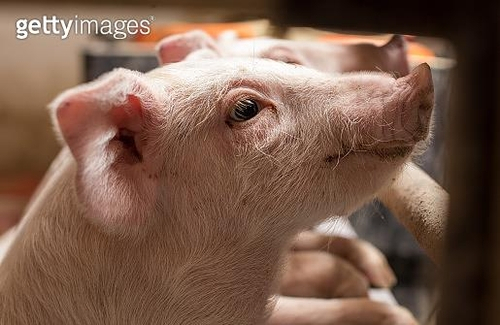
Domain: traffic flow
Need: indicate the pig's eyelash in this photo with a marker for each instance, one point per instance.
(245, 109)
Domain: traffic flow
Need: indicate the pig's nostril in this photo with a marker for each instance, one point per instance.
(424, 106)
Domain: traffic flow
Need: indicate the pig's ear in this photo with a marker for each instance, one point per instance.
(396, 51)
(105, 125)
(178, 47)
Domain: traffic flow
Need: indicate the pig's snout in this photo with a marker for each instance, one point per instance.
(416, 102)
(404, 117)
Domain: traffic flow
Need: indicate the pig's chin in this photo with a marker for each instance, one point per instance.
(383, 152)
(388, 152)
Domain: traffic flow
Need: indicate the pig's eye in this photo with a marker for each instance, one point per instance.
(244, 110)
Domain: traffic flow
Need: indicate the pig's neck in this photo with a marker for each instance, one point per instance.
(61, 270)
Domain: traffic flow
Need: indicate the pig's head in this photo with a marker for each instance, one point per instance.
(250, 145)
(322, 56)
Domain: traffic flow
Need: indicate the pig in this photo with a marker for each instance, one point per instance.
(179, 191)
(323, 56)
(301, 279)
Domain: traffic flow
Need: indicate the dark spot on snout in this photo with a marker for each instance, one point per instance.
(334, 159)
(229, 124)
(330, 159)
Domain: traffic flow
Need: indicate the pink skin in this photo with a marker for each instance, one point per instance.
(168, 209)
(326, 57)
(312, 274)
(322, 56)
